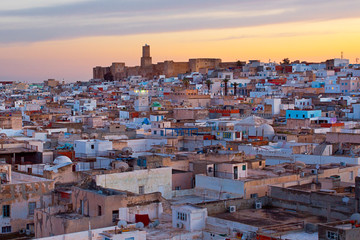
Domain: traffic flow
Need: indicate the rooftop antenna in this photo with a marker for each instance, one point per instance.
(342, 55)
(357, 60)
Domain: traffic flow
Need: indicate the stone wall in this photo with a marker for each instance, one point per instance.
(222, 206)
(316, 203)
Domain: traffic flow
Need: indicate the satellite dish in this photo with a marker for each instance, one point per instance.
(3, 135)
(122, 224)
(140, 225)
(127, 149)
(317, 166)
(85, 136)
(345, 200)
(279, 170)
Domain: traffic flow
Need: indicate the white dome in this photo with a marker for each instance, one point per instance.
(61, 160)
(252, 121)
(267, 130)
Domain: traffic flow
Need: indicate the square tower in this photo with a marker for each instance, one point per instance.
(146, 60)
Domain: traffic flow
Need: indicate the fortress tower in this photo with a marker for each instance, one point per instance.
(146, 60)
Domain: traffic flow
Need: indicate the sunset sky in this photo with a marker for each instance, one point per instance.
(65, 39)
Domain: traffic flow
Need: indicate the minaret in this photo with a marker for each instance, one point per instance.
(146, 60)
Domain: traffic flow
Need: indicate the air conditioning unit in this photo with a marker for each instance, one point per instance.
(258, 205)
(179, 225)
(314, 171)
(232, 209)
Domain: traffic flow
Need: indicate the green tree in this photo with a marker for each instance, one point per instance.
(225, 81)
(186, 82)
(286, 61)
(239, 63)
(235, 84)
(208, 84)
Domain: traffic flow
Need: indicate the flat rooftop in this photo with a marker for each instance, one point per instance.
(164, 230)
(18, 178)
(16, 150)
(268, 217)
(192, 199)
(287, 169)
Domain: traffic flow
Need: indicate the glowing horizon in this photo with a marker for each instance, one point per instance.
(35, 44)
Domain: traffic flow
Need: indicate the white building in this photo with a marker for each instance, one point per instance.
(303, 103)
(275, 105)
(356, 112)
(190, 217)
(91, 147)
(124, 114)
(19, 198)
(84, 105)
(156, 118)
(101, 233)
(324, 73)
(230, 170)
(255, 127)
(139, 181)
(142, 101)
(158, 128)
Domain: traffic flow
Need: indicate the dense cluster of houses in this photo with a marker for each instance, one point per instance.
(229, 151)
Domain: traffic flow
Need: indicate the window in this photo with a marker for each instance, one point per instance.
(260, 163)
(332, 235)
(115, 215)
(6, 210)
(30, 226)
(92, 146)
(6, 229)
(226, 135)
(182, 216)
(141, 190)
(253, 195)
(99, 210)
(32, 206)
(177, 188)
(351, 175)
(243, 167)
(81, 207)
